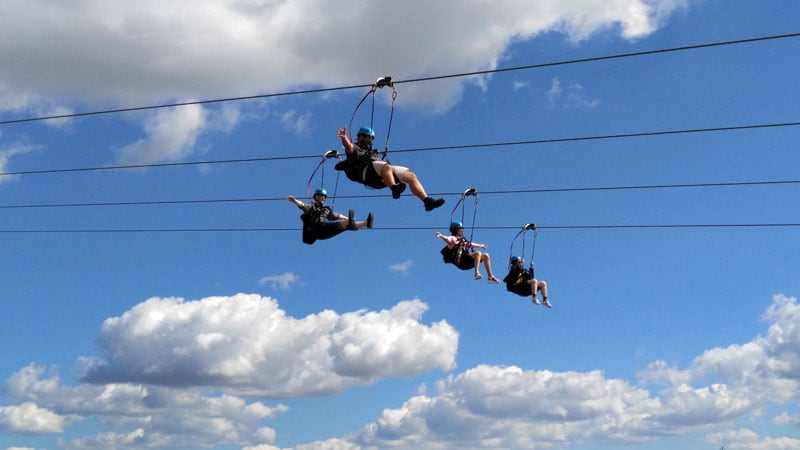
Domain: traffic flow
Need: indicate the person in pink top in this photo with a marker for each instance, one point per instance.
(457, 252)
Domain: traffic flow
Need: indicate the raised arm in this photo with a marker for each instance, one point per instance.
(346, 143)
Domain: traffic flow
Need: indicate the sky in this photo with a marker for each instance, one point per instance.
(173, 304)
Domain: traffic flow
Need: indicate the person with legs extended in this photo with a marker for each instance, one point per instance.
(321, 222)
(363, 165)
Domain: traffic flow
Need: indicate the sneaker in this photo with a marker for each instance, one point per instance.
(546, 302)
(398, 189)
(478, 276)
(370, 220)
(535, 301)
(431, 203)
(493, 280)
(351, 224)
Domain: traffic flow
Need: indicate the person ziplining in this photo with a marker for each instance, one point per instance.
(459, 250)
(363, 165)
(321, 222)
(522, 281)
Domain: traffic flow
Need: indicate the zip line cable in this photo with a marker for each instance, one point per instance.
(413, 80)
(278, 229)
(419, 149)
(496, 192)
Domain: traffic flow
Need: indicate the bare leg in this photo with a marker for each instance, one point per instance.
(534, 287)
(487, 262)
(388, 175)
(343, 223)
(477, 256)
(543, 288)
(410, 178)
(366, 223)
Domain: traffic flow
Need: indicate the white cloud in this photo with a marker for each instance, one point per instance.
(744, 439)
(148, 391)
(508, 407)
(402, 267)
(157, 417)
(246, 344)
(122, 52)
(554, 93)
(572, 97)
(5, 156)
(786, 419)
(769, 365)
(178, 343)
(297, 123)
(171, 136)
(283, 281)
(28, 418)
(21, 101)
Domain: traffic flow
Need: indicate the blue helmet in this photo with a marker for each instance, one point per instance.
(366, 130)
(515, 259)
(455, 226)
(321, 191)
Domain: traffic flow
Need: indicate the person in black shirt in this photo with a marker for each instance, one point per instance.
(321, 222)
(521, 281)
(363, 166)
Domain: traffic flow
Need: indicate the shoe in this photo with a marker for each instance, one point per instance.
(351, 224)
(370, 220)
(536, 301)
(431, 203)
(397, 189)
(546, 302)
(478, 276)
(493, 280)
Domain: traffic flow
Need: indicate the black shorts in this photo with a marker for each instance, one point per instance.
(321, 231)
(466, 262)
(522, 289)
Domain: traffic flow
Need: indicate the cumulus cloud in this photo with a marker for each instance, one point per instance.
(28, 418)
(157, 417)
(282, 281)
(116, 53)
(744, 439)
(768, 365)
(168, 341)
(140, 52)
(508, 407)
(786, 419)
(172, 370)
(247, 344)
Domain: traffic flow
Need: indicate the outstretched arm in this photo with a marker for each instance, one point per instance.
(346, 143)
(446, 239)
(297, 202)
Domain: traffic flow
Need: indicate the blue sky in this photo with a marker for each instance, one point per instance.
(660, 336)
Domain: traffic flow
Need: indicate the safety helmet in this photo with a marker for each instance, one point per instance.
(366, 130)
(515, 259)
(455, 226)
(321, 191)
